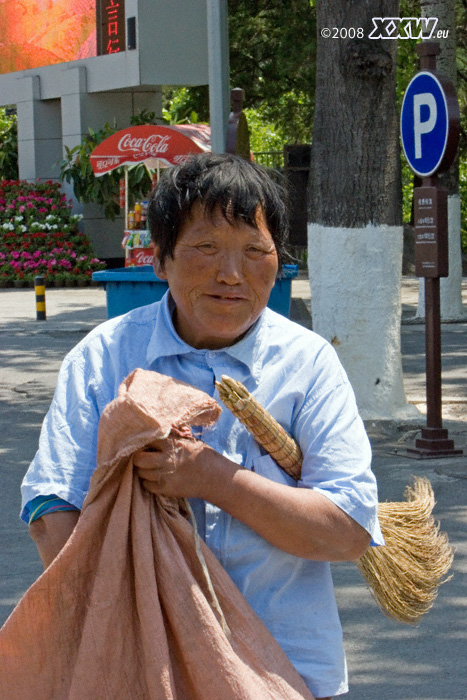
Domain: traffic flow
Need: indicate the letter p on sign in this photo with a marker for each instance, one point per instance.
(429, 123)
(423, 126)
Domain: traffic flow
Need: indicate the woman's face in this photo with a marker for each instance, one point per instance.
(220, 277)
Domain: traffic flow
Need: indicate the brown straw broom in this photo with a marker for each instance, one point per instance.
(405, 574)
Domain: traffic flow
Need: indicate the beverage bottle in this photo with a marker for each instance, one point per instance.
(137, 215)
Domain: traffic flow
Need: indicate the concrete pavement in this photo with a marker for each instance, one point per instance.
(387, 661)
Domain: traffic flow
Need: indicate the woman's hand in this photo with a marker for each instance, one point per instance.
(176, 467)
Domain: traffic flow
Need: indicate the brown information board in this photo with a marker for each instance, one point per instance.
(431, 232)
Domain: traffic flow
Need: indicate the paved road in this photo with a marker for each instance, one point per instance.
(387, 661)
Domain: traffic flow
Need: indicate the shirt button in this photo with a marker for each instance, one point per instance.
(210, 355)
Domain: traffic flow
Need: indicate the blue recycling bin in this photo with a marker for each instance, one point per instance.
(129, 287)
(281, 294)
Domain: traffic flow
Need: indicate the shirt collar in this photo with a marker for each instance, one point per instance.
(165, 341)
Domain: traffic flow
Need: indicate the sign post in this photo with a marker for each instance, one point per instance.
(430, 135)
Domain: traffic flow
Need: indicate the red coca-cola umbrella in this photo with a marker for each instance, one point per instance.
(155, 146)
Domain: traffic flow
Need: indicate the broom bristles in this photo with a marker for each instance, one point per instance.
(403, 575)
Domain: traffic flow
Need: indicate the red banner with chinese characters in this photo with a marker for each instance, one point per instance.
(111, 26)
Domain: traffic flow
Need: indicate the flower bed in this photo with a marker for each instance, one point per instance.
(39, 236)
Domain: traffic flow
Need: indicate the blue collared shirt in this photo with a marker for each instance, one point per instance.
(297, 376)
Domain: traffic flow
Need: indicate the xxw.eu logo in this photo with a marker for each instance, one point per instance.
(404, 28)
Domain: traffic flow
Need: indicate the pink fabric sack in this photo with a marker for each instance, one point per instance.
(126, 611)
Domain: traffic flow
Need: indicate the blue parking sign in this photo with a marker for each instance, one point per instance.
(425, 124)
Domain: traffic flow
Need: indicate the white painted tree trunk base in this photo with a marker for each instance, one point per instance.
(450, 287)
(355, 279)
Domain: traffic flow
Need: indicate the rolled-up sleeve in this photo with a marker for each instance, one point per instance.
(336, 450)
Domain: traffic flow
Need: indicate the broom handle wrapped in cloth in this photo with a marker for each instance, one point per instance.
(405, 574)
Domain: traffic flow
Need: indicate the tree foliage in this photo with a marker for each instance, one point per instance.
(461, 32)
(76, 168)
(8, 146)
(274, 68)
(273, 57)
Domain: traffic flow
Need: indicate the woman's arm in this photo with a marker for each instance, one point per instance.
(51, 532)
(299, 521)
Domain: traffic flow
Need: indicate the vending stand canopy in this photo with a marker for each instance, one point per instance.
(155, 146)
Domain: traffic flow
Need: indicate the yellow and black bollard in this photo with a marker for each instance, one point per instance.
(39, 288)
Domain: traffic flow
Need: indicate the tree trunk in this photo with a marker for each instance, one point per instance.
(451, 287)
(355, 215)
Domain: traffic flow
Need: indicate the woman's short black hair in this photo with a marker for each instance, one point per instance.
(238, 187)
